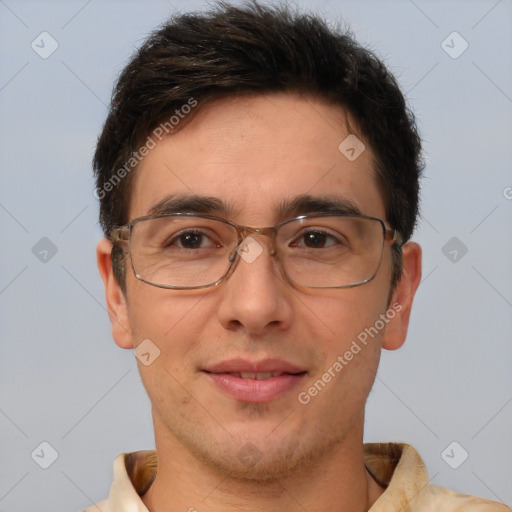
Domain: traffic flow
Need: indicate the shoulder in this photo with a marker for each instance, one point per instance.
(102, 506)
(400, 470)
(442, 499)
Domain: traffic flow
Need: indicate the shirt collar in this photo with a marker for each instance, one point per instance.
(396, 466)
(133, 475)
(399, 468)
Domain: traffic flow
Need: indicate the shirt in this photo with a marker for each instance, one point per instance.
(395, 466)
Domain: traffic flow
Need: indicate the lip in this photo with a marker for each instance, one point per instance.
(226, 376)
(244, 365)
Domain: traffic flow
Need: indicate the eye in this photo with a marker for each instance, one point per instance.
(316, 239)
(191, 239)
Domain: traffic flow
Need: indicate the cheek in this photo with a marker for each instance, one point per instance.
(337, 317)
(165, 316)
(348, 330)
(169, 324)
(349, 361)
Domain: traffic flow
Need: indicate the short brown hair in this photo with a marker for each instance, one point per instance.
(257, 49)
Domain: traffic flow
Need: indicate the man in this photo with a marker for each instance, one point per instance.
(258, 182)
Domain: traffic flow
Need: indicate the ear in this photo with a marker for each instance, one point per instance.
(116, 301)
(401, 301)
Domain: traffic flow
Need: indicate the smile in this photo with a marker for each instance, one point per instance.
(255, 382)
(257, 376)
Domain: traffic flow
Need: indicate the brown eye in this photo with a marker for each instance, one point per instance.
(316, 239)
(191, 240)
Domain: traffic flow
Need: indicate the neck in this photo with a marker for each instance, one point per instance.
(336, 481)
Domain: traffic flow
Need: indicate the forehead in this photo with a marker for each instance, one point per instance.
(256, 153)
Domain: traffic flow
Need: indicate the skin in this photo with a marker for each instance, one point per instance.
(252, 153)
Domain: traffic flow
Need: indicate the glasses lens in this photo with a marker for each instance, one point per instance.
(317, 252)
(181, 251)
(331, 251)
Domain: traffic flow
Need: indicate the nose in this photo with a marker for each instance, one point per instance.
(256, 297)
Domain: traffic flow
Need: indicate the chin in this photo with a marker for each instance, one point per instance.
(249, 463)
(263, 458)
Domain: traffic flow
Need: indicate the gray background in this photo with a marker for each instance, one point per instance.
(64, 381)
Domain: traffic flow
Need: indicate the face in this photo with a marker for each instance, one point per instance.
(253, 154)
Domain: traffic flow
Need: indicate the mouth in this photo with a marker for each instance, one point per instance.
(257, 375)
(255, 382)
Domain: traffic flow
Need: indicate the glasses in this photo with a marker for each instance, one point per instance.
(187, 251)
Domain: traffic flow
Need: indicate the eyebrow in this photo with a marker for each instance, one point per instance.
(286, 208)
(305, 204)
(191, 203)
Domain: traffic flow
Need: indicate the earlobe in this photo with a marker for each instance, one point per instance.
(401, 302)
(115, 298)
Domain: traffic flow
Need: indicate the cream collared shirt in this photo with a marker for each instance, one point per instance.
(398, 467)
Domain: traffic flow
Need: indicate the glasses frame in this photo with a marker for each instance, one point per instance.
(122, 235)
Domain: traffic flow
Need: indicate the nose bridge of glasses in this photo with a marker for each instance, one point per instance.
(245, 232)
